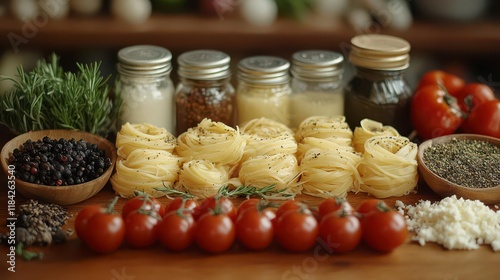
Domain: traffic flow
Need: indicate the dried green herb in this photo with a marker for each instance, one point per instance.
(47, 97)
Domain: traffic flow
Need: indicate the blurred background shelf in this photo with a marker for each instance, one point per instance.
(186, 31)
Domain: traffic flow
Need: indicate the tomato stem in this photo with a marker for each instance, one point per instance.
(111, 206)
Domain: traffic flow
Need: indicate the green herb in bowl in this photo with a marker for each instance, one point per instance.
(47, 97)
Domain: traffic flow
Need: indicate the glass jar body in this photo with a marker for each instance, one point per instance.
(383, 96)
(269, 101)
(147, 100)
(197, 99)
(315, 98)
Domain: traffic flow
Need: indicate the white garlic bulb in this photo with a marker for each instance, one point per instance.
(86, 7)
(132, 11)
(24, 10)
(259, 12)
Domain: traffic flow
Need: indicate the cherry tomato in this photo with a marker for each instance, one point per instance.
(176, 230)
(83, 217)
(215, 232)
(189, 206)
(296, 230)
(259, 204)
(332, 205)
(484, 119)
(473, 95)
(289, 205)
(384, 230)
(370, 205)
(340, 231)
(254, 229)
(247, 204)
(140, 228)
(434, 112)
(105, 230)
(452, 83)
(225, 204)
(137, 201)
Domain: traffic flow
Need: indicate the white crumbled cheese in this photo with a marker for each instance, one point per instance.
(454, 223)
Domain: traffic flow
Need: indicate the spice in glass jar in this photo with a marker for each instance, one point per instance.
(316, 85)
(264, 89)
(379, 91)
(204, 90)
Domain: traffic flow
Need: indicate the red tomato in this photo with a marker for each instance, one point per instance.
(484, 119)
(247, 204)
(175, 204)
(208, 203)
(136, 202)
(452, 83)
(259, 204)
(290, 205)
(254, 229)
(83, 217)
(140, 228)
(105, 232)
(473, 95)
(296, 230)
(176, 230)
(332, 205)
(341, 232)
(215, 232)
(370, 205)
(434, 112)
(384, 230)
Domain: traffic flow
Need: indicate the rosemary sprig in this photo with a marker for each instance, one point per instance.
(171, 191)
(47, 97)
(248, 191)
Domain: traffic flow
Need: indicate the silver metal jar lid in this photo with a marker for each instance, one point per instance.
(265, 70)
(317, 65)
(204, 65)
(144, 60)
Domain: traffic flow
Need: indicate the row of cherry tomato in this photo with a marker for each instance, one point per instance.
(215, 224)
(444, 104)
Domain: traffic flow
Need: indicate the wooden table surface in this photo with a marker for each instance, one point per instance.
(72, 260)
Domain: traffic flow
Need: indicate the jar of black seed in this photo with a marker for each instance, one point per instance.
(204, 90)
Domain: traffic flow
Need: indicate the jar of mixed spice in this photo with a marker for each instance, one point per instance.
(145, 86)
(316, 85)
(204, 90)
(264, 89)
(379, 91)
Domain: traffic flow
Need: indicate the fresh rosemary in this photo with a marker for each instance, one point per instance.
(49, 98)
(248, 191)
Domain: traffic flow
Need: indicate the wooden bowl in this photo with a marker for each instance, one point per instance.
(62, 195)
(443, 187)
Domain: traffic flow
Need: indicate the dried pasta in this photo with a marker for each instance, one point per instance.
(213, 141)
(143, 136)
(309, 143)
(389, 166)
(263, 170)
(329, 173)
(370, 128)
(145, 170)
(202, 178)
(334, 128)
(268, 137)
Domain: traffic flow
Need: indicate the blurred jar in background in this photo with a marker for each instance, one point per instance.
(145, 86)
(204, 90)
(316, 85)
(264, 89)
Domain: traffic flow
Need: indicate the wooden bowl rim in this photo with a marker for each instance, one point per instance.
(75, 134)
(445, 139)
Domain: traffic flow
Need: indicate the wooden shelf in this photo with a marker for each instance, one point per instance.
(181, 32)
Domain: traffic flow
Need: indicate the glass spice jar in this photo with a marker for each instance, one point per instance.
(316, 85)
(204, 90)
(263, 89)
(145, 87)
(379, 91)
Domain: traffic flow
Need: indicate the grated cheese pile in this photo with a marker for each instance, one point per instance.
(453, 223)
